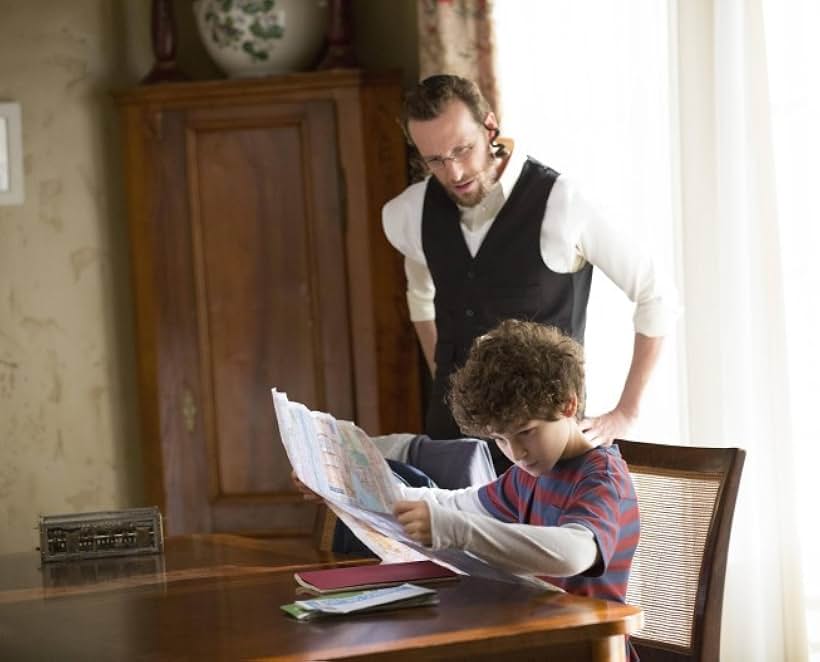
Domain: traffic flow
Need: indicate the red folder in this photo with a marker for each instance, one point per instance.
(372, 576)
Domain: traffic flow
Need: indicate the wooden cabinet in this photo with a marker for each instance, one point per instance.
(258, 260)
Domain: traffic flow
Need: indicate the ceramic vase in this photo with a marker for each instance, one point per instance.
(249, 38)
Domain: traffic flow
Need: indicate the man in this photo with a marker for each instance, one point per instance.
(493, 234)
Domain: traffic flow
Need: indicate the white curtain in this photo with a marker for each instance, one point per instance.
(793, 53)
(739, 339)
(696, 124)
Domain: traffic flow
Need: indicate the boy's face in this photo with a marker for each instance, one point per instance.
(457, 152)
(536, 445)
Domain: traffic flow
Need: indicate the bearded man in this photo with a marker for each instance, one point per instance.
(492, 234)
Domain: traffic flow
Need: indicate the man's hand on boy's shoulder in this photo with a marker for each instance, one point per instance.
(604, 429)
(414, 516)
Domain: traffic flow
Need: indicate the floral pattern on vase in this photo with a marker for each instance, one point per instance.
(250, 26)
(260, 37)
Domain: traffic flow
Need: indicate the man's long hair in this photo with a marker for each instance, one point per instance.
(428, 99)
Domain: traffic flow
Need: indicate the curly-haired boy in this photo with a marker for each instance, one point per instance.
(566, 509)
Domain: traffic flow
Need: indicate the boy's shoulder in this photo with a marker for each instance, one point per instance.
(605, 463)
(602, 464)
(599, 458)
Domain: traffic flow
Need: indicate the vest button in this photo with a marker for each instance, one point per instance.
(471, 274)
(469, 312)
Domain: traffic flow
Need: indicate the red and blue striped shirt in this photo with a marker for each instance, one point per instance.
(594, 490)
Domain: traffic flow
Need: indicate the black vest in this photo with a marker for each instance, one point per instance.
(506, 279)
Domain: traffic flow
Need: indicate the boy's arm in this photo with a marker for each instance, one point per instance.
(464, 499)
(458, 520)
(558, 551)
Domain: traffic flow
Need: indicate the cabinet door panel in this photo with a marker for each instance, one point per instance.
(271, 297)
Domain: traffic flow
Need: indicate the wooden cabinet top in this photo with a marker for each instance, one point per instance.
(322, 83)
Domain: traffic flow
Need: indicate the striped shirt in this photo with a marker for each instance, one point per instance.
(594, 490)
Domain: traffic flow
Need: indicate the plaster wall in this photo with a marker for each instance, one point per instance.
(69, 425)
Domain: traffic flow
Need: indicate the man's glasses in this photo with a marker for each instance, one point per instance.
(458, 155)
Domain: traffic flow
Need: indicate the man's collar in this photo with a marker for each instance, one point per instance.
(515, 164)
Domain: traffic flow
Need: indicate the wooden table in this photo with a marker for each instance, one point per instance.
(218, 597)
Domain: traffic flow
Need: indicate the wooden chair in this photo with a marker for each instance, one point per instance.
(687, 499)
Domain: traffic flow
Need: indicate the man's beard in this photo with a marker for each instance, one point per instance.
(484, 178)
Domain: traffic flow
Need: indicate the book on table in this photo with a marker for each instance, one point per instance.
(362, 602)
(330, 580)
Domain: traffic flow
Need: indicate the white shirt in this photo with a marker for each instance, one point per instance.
(572, 234)
(459, 521)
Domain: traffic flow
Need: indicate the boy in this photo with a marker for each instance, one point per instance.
(566, 509)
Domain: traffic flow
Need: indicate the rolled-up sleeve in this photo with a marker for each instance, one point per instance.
(574, 233)
(401, 220)
(421, 292)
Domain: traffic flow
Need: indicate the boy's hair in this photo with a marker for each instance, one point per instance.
(517, 372)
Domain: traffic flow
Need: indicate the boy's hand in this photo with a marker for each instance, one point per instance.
(307, 493)
(414, 516)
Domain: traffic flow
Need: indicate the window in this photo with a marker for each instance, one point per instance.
(585, 88)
